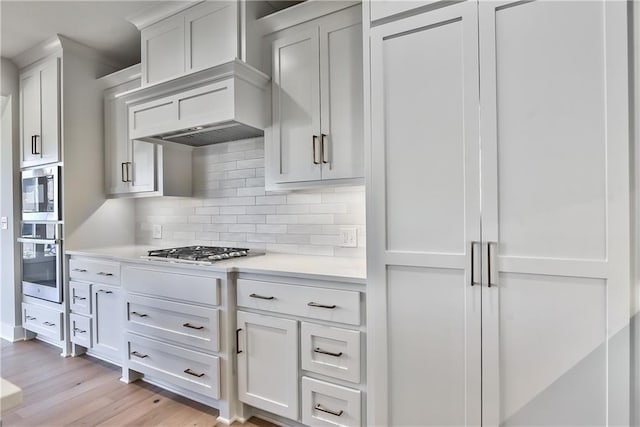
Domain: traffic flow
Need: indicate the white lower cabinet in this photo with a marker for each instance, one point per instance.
(326, 404)
(268, 363)
(95, 300)
(42, 320)
(279, 356)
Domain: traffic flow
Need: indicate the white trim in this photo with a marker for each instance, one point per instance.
(158, 12)
(12, 333)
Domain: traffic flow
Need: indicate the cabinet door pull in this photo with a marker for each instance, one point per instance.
(35, 144)
(33, 150)
(190, 372)
(238, 351)
(328, 411)
(490, 263)
(129, 164)
(261, 297)
(30, 318)
(106, 292)
(189, 325)
(473, 263)
(78, 330)
(122, 178)
(323, 138)
(315, 304)
(75, 297)
(319, 350)
(314, 140)
(140, 355)
(135, 313)
(102, 273)
(49, 324)
(80, 270)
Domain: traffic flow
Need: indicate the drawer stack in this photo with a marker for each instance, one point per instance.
(96, 311)
(172, 324)
(319, 326)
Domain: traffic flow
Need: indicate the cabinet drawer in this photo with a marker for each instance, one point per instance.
(181, 286)
(80, 297)
(316, 303)
(182, 323)
(189, 369)
(43, 321)
(80, 330)
(326, 404)
(94, 271)
(331, 351)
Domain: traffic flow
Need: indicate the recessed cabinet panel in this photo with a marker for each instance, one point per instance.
(163, 50)
(211, 34)
(107, 326)
(80, 330)
(296, 106)
(49, 143)
(341, 98)
(208, 104)
(29, 114)
(326, 404)
(330, 351)
(152, 117)
(143, 166)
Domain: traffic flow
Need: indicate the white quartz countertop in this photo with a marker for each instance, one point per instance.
(329, 268)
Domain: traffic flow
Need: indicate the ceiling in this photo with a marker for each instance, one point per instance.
(101, 25)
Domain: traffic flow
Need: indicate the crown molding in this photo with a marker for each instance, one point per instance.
(157, 13)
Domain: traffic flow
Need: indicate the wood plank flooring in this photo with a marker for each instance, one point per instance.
(84, 391)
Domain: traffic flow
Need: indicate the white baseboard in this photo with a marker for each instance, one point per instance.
(12, 333)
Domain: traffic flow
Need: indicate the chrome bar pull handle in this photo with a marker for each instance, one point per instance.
(319, 350)
(106, 292)
(323, 138)
(238, 351)
(490, 263)
(190, 372)
(35, 144)
(328, 411)
(315, 304)
(140, 355)
(75, 297)
(78, 330)
(262, 297)
(129, 165)
(49, 324)
(122, 178)
(135, 313)
(473, 263)
(80, 270)
(314, 141)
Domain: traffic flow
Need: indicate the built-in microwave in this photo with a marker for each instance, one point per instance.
(41, 194)
(42, 260)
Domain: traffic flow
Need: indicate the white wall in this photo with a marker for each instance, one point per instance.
(9, 202)
(230, 207)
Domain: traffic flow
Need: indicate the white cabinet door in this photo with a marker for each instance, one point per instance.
(211, 34)
(555, 204)
(40, 114)
(142, 166)
(268, 363)
(163, 50)
(341, 96)
(424, 312)
(108, 321)
(296, 107)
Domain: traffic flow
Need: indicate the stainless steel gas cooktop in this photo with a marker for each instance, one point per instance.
(198, 254)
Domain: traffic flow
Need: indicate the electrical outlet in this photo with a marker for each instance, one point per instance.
(157, 231)
(348, 237)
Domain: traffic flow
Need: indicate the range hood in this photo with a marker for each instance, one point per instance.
(223, 103)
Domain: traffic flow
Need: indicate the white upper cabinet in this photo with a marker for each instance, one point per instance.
(40, 114)
(316, 133)
(163, 50)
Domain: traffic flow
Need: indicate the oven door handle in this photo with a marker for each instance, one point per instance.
(39, 241)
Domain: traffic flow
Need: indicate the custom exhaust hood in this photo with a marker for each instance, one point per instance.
(223, 103)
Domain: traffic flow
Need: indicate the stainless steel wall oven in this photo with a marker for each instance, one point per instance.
(42, 260)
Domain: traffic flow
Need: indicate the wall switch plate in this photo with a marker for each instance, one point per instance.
(4, 223)
(349, 237)
(157, 231)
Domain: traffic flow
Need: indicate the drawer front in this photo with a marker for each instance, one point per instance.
(80, 330)
(80, 297)
(43, 320)
(316, 303)
(334, 352)
(181, 286)
(326, 404)
(181, 323)
(207, 104)
(189, 369)
(152, 117)
(94, 271)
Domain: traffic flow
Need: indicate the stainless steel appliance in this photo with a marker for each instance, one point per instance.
(198, 254)
(41, 194)
(42, 260)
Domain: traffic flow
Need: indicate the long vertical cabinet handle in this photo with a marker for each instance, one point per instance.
(323, 140)
(490, 263)
(473, 263)
(33, 148)
(122, 167)
(35, 144)
(314, 141)
(129, 166)
(238, 351)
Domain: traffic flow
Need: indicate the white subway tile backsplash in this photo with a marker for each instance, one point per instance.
(230, 207)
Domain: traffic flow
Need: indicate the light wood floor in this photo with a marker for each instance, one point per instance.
(84, 391)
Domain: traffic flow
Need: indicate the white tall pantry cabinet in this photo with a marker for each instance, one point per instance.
(498, 215)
